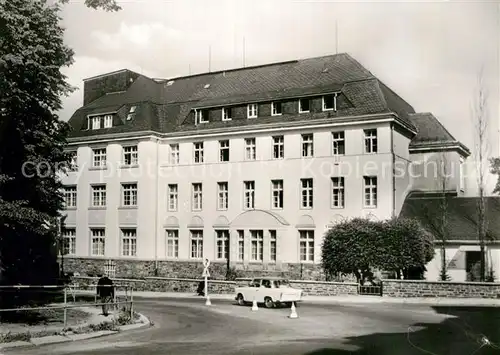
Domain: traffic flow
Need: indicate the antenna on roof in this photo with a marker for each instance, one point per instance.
(336, 37)
(209, 58)
(243, 52)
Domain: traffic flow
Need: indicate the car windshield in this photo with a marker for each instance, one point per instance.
(281, 283)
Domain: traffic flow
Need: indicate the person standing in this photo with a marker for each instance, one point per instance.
(105, 292)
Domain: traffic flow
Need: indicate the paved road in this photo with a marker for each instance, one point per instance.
(187, 326)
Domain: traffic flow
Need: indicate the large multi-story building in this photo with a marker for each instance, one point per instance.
(251, 165)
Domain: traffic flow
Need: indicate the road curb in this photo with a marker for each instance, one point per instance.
(344, 300)
(55, 339)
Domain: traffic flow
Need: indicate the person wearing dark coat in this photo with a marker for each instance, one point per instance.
(105, 292)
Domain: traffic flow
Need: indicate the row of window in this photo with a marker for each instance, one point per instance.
(131, 156)
(129, 194)
(128, 244)
(329, 103)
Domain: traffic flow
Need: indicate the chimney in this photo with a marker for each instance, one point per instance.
(97, 86)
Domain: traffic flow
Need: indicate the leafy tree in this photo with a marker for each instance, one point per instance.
(408, 247)
(359, 246)
(495, 169)
(32, 52)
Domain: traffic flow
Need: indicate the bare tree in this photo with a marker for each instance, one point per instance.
(480, 120)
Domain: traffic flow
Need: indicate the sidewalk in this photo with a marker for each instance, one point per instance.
(431, 301)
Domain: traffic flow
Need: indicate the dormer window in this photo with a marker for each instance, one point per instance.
(227, 114)
(108, 121)
(304, 105)
(131, 113)
(201, 116)
(252, 111)
(276, 109)
(330, 102)
(96, 122)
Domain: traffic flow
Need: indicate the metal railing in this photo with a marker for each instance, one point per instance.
(72, 289)
(370, 290)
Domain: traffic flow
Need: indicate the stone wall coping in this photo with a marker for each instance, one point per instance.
(189, 280)
(470, 283)
(112, 278)
(311, 282)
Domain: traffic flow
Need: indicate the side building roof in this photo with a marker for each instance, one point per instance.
(461, 213)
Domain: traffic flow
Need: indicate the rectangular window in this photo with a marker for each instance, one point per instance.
(99, 157)
(306, 245)
(173, 197)
(257, 242)
(307, 193)
(227, 114)
(98, 241)
(98, 195)
(304, 105)
(252, 111)
(276, 108)
(130, 155)
(330, 102)
(129, 194)
(108, 121)
(201, 116)
(222, 240)
(224, 150)
(69, 241)
(370, 140)
(249, 194)
(222, 195)
(196, 244)
(70, 196)
(96, 122)
(338, 143)
(129, 242)
(307, 145)
(277, 190)
(370, 187)
(278, 147)
(241, 245)
(250, 149)
(172, 243)
(198, 152)
(338, 193)
(174, 154)
(197, 196)
(272, 245)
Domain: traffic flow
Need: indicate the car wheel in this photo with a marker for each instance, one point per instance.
(240, 299)
(268, 302)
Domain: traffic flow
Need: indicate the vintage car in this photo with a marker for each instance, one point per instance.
(271, 291)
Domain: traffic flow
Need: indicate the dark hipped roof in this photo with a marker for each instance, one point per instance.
(461, 214)
(171, 101)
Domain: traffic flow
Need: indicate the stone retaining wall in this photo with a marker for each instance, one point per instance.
(163, 284)
(444, 289)
(189, 269)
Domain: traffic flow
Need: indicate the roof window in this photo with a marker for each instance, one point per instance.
(170, 82)
(132, 109)
(207, 86)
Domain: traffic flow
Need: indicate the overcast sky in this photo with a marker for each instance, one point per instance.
(430, 53)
